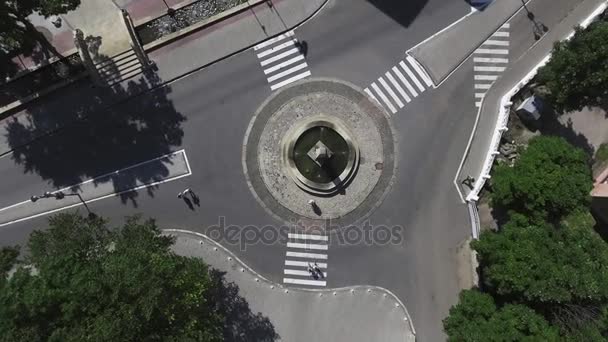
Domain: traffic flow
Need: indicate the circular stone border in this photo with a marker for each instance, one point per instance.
(288, 144)
(273, 103)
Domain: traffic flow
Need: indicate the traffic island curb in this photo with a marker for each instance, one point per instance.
(388, 319)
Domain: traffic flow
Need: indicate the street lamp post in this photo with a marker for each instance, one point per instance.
(59, 195)
(170, 11)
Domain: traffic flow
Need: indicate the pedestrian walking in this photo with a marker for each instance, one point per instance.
(312, 271)
(318, 270)
(186, 191)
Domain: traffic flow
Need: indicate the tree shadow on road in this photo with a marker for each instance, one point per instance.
(241, 324)
(402, 11)
(97, 135)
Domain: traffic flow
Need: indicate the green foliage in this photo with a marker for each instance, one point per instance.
(8, 258)
(89, 283)
(577, 73)
(477, 318)
(15, 31)
(601, 154)
(550, 179)
(541, 264)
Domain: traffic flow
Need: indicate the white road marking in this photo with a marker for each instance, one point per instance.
(287, 72)
(492, 51)
(501, 34)
(304, 282)
(490, 60)
(290, 80)
(300, 273)
(489, 68)
(308, 237)
(68, 188)
(307, 255)
(496, 42)
(398, 87)
(284, 64)
(478, 104)
(405, 82)
(483, 85)
(273, 40)
(486, 77)
(384, 98)
(303, 263)
(420, 71)
(369, 92)
(391, 92)
(412, 76)
(306, 246)
(480, 95)
(277, 48)
(506, 26)
(279, 56)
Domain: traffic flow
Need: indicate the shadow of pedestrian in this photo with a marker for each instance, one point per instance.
(302, 47)
(195, 199)
(188, 202)
(240, 323)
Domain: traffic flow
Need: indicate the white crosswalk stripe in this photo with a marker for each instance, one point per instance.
(490, 61)
(304, 250)
(384, 98)
(420, 71)
(391, 92)
(400, 85)
(281, 60)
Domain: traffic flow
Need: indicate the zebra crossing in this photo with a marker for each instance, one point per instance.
(489, 61)
(282, 60)
(301, 250)
(399, 85)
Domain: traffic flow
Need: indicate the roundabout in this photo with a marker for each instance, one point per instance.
(319, 150)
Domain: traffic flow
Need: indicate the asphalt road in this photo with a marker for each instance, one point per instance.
(353, 40)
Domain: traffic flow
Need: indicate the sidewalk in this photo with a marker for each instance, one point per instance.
(482, 138)
(173, 60)
(359, 313)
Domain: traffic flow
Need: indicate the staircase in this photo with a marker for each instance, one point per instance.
(119, 68)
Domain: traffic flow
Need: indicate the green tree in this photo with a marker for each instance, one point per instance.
(550, 179)
(16, 32)
(577, 73)
(477, 318)
(543, 264)
(85, 282)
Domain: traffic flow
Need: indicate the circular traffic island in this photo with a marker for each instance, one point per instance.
(319, 150)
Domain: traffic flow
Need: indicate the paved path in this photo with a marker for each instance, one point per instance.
(357, 313)
(559, 26)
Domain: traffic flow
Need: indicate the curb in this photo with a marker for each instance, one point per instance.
(170, 38)
(502, 118)
(261, 277)
(167, 82)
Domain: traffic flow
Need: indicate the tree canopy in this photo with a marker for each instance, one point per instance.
(542, 264)
(577, 73)
(15, 30)
(85, 282)
(550, 179)
(477, 318)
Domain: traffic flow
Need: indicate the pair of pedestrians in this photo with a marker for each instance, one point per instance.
(189, 197)
(315, 271)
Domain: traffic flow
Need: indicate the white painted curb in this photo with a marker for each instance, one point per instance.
(503, 117)
(257, 275)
